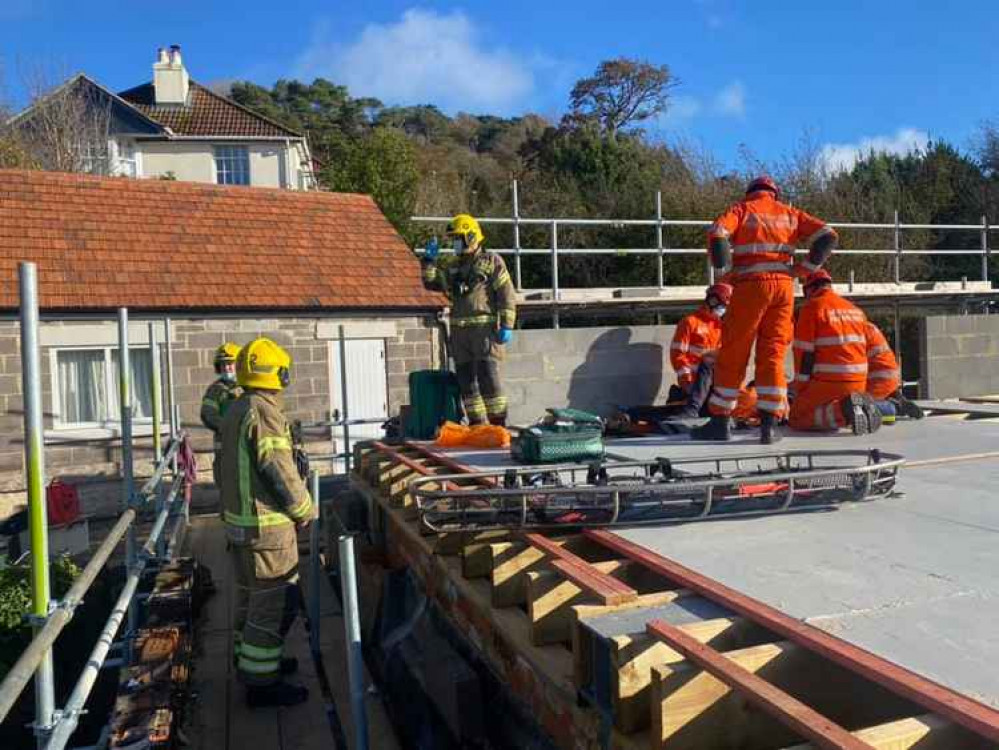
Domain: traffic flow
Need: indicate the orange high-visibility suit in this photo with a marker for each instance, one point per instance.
(763, 233)
(830, 360)
(883, 374)
(695, 335)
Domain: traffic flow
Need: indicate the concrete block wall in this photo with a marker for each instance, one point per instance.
(586, 368)
(411, 344)
(959, 356)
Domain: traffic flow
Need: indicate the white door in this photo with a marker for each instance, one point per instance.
(367, 390)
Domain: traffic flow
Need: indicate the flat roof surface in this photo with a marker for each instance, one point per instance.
(913, 578)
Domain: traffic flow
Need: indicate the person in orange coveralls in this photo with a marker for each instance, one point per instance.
(757, 237)
(830, 362)
(692, 352)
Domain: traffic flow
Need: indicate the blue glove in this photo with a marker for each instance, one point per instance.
(431, 250)
(504, 335)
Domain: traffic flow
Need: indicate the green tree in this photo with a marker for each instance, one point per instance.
(621, 92)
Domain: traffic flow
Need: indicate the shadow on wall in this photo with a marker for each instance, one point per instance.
(617, 372)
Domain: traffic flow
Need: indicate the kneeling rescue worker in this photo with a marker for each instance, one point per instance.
(694, 348)
(830, 358)
(483, 314)
(757, 237)
(217, 398)
(264, 503)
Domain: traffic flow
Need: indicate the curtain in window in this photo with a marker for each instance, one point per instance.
(81, 386)
(140, 364)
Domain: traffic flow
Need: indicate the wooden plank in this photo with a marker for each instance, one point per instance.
(979, 718)
(511, 562)
(927, 732)
(632, 658)
(476, 557)
(582, 647)
(601, 586)
(550, 598)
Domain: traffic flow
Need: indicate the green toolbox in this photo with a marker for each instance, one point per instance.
(562, 436)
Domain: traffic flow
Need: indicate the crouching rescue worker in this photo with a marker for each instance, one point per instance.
(217, 398)
(884, 378)
(483, 314)
(264, 503)
(757, 237)
(693, 349)
(830, 362)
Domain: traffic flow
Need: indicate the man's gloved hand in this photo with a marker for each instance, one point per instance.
(431, 250)
(504, 335)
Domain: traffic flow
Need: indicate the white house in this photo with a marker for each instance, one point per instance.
(175, 127)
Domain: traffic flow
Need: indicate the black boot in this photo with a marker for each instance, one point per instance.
(276, 694)
(717, 428)
(770, 431)
(905, 407)
(861, 413)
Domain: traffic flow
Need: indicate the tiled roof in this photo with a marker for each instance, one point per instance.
(206, 114)
(102, 243)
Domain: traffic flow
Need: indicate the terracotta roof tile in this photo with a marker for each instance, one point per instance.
(102, 243)
(206, 114)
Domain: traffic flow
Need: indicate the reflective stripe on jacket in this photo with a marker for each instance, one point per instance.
(262, 494)
(478, 285)
(764, 233)
(832, 331)
(695, 334)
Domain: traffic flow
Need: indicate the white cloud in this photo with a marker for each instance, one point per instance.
(424, 57)
(683, 108)
(840, 157)
(731, 100)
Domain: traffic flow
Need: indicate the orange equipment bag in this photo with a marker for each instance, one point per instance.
(453, 435)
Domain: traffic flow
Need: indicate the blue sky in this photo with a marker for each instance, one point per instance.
(853, 75)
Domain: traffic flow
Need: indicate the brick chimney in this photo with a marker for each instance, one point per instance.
(170, 80)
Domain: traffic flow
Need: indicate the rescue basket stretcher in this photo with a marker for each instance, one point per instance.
(658, 491)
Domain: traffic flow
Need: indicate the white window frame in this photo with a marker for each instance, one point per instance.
(215, 162)
(109, 427)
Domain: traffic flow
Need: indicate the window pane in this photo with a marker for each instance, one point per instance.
(81, 386)
(141, 367)
(232, 165)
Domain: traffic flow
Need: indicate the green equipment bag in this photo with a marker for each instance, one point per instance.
(564, 435)
(434, 398)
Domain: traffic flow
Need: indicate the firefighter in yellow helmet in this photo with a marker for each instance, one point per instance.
(217, 398)
(483, 314)
(264, 503)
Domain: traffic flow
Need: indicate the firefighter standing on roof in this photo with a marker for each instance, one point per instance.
(756, 238)
(217, 398)
(483, 314)
(264, 502)
(830, 358)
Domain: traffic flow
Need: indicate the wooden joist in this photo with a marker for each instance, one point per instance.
(927, 732)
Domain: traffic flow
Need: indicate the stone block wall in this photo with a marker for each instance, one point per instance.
(959, 356)
(92, 459)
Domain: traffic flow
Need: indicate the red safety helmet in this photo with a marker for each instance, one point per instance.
(763, 182)
(721, 291)
(818, 277)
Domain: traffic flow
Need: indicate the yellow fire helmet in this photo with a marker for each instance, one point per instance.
(226, 353)
(466, 227)
(263, 364)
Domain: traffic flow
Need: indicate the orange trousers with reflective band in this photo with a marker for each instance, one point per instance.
(816, 404)
(760, 315)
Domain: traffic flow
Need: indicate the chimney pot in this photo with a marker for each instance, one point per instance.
(161, 56)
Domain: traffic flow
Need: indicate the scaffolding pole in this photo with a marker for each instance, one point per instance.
(127, 468)
(34, 462)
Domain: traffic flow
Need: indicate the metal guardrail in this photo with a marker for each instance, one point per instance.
(53, 728)
(659, 222)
